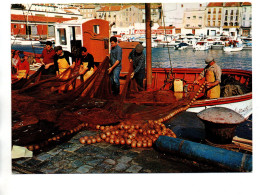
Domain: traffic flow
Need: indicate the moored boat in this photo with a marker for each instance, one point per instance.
(201, 46)
(241, 104)
(233, 46)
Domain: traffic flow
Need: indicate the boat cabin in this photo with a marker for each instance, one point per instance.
(90, 33)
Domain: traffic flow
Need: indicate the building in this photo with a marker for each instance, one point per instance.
(246, 23)
(194, 21)
(232, 12)
(173, 13)
(214, 16)
(156, 12)
(88, 11)
(128, 16)
(38, 20)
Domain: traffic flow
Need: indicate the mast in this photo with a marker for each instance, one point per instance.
(148, 47)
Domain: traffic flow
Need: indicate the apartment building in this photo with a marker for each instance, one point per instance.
(194, 21)
(246, 23)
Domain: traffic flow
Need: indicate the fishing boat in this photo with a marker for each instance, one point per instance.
(95, 45)
(242, 104)
(233, 46)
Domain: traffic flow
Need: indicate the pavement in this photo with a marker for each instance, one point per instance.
(72, 157)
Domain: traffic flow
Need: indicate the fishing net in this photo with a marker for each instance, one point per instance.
(47, 109)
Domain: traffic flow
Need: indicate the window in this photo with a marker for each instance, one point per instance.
(225, 18)
(15, 26)
(232, 12)
(226, 12)
(194, 17)
(225, 24)
(96, 29)
(209, 11)
(187, 25)
(220, 10)
(188, 18)
(200, 25)
(62, 36)
(200, 17)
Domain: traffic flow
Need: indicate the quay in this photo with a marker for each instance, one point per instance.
(72, 157)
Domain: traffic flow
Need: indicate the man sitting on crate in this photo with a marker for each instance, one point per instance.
(212, 73)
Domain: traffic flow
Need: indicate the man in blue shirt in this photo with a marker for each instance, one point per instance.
(116, 66)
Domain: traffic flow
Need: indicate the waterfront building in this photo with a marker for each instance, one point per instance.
(156, 12)
(194, 21)
(173, 13)
(246, 23)
(88, 11)
(232, 18)
(214, 16)
(38, 20)
(122, 15)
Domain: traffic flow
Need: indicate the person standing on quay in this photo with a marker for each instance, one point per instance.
(138, 58)
(47, 58)
(212, 73)
(116, 66)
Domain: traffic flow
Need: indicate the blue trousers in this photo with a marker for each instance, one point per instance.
(114, 78)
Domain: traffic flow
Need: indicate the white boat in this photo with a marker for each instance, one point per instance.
(233, 46)
(201, 46)
(218, 45)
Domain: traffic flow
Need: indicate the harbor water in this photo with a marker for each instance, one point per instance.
(182, 58)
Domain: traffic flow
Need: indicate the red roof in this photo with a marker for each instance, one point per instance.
(232, 4)
(166, 27)
(246, 3)
(217, 4)
(38, 18)
(112, 8)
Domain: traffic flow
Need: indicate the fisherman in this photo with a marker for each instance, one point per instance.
(47, 58)
(86, 64)
(62, 62)
(115, 68)
(15, 59)
(22, 66)
(212, 73)
(138, 58)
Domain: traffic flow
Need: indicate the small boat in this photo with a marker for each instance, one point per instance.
(218, 45)
(181, 46)
(233, 46)
(201, 46)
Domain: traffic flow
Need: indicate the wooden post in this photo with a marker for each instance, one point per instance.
(148, 47)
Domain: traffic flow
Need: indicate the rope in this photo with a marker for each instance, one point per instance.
(168, 75)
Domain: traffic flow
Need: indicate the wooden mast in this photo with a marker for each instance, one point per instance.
(148, 47)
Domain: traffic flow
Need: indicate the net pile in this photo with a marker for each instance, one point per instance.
(46, 110)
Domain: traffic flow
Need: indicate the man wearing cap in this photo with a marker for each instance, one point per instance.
(212, 73)
(116, 66)
(138, 58)
(61, 60)
(47, 58)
